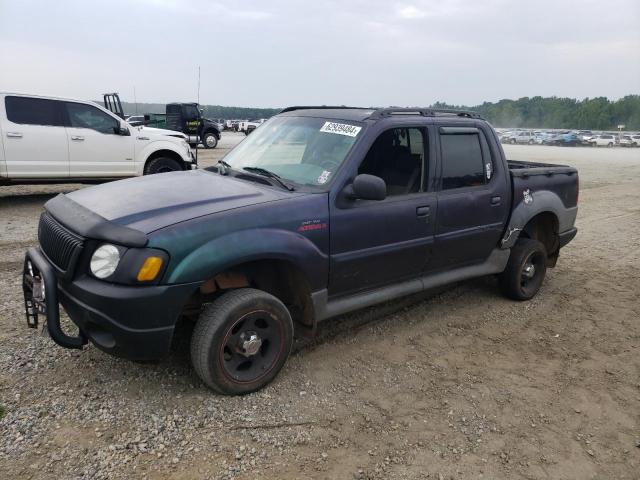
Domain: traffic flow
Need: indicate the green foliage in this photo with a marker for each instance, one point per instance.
(552, 112)
(536, 112)
(210, 111)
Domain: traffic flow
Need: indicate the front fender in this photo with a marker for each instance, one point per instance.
(542, 201)
(243, 246)
(154, 146)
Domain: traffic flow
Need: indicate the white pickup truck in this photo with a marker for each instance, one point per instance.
(45, 139)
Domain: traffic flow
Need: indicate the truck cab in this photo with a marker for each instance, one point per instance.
(187, 118)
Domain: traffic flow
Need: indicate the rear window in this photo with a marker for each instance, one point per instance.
(33, 111)
(462, 164)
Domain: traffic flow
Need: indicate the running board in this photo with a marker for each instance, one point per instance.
(326, 308)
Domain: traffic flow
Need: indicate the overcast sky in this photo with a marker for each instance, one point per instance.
(284, 52)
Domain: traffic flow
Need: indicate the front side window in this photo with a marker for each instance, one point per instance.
(462, 164)
(191, 112)
(33, 111)
(304, 150)
(397, 156)
(85, 116)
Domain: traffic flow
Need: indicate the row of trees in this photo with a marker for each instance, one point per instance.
(553, 112)
(535, 112)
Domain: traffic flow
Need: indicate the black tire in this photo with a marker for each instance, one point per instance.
(530, 142)
(227, 326)
(161, 165)
(518, 281)
(610, 144)
(210, 140)
(513, 141)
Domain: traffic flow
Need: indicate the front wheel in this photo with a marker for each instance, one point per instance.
(241, 341)
(525, 271)
(210, 140)
(161, 165)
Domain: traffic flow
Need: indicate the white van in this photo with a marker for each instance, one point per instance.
(63, 140)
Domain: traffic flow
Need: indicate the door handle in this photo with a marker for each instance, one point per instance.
(77, 138)
(423, 211)
(496, 200)
(14, 135)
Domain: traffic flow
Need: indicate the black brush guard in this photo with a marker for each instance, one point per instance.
(38, 273)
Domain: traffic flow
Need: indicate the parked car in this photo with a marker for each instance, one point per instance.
(320, 212)
(246, 126)
(543, 138)
(604, 140)
(636, 140)
(564, 139)
(627, 141)
(63, 140)
(523, 137)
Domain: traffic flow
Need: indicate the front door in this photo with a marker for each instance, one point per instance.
(35, 140)
(374, 243)
(95, 147)
(472, 199)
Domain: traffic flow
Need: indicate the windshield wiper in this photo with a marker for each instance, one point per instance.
(269, 174)
(223, 167)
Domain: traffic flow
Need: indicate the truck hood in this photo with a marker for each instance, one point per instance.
(155, 201)
(160, 132)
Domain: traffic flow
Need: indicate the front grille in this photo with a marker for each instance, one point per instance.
(59, 245)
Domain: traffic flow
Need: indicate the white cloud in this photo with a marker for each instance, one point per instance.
(411, 12)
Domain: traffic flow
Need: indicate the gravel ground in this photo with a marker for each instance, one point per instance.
(461, 383)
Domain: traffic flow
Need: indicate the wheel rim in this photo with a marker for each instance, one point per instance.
(252, 346)
(531, 272)
(211, 141)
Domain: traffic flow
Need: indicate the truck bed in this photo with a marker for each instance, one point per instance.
(532, 177)
(520, 168)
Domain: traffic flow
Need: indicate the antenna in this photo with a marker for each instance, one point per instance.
(198, 84)
(135, 100)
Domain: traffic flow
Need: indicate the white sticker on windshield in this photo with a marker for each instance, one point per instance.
(324, 176)
(341, 129)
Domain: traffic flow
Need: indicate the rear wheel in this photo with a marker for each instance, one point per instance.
(210, 140)
(525, 271)
(161, 165)
(513, 141)
(610, 144)
(241, 341)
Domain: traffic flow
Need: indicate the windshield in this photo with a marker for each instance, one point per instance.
(303, 150)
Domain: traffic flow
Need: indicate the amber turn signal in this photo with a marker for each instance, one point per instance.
(150, 269)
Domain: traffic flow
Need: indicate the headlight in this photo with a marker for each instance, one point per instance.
(104, 261)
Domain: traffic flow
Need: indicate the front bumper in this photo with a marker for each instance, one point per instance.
(126, 321)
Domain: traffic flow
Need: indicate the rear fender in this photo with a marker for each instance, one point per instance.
(532, 204)
(244, 246)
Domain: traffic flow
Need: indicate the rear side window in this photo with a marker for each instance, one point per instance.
(462, 164)
(86, 116)
(33, 111)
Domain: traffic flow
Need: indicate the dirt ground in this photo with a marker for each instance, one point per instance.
(461, 383)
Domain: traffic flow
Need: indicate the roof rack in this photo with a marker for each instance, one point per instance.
(425, 112)
(320, 107)
(379, 113)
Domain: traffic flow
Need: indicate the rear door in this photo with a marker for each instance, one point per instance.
(35, 140)
(95, 147)
(473, 203)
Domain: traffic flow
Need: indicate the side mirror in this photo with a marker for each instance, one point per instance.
(367, 187)
(121, 130)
